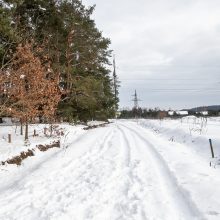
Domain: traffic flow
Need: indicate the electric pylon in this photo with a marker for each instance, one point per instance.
(135, 100)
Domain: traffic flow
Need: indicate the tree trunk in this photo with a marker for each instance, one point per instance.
(21, 131)
(26, 131)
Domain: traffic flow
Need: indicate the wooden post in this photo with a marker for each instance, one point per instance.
(211, 147)
(45, 131)
(9, 138)
(51, 130)
(35, 134)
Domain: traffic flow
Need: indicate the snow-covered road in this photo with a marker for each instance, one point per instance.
(120, 172)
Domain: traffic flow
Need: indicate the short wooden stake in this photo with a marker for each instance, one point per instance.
(45, 131)
(35, 133)
(9, 138)
(51, 130)
(211, 147)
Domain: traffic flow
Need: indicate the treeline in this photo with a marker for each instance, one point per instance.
(140, 113)
(54, 62)
(157, 113)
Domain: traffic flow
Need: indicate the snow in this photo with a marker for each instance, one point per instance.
(8, 150)
(92, 123)
(6, 121)
(129, 169)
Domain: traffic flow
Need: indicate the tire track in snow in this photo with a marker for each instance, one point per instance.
(181, 205)
(88, 173)
(93, 186)
(133, 207)
(117, 194)
(126, 149)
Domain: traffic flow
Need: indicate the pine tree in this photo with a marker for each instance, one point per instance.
(8, 36)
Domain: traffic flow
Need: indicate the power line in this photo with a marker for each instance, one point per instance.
(168, 65)
(195, 90)
(164, 79)
(181, 90)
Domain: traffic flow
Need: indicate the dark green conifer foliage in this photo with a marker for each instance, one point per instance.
(75, 47)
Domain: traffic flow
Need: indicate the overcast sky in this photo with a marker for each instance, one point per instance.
(168, 50)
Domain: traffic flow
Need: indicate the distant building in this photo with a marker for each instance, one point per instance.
(170, 113)
(182, 113)
(178, 113)
(204, 113)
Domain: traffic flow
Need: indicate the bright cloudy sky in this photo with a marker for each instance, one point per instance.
(168, 50)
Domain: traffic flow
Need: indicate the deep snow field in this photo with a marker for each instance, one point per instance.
(191, 131)
(127, 170)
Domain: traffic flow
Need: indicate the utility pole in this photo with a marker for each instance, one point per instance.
(115, 79)
(115, 87)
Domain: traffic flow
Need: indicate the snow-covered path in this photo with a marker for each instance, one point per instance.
(110, 173)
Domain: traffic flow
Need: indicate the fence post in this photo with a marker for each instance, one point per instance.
(211, 147)
(9, 138)
(45, 131)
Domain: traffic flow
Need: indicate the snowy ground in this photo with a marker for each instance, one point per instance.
(145, 169)
(17, 145)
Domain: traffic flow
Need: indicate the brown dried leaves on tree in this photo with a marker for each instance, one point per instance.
(32, 89)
